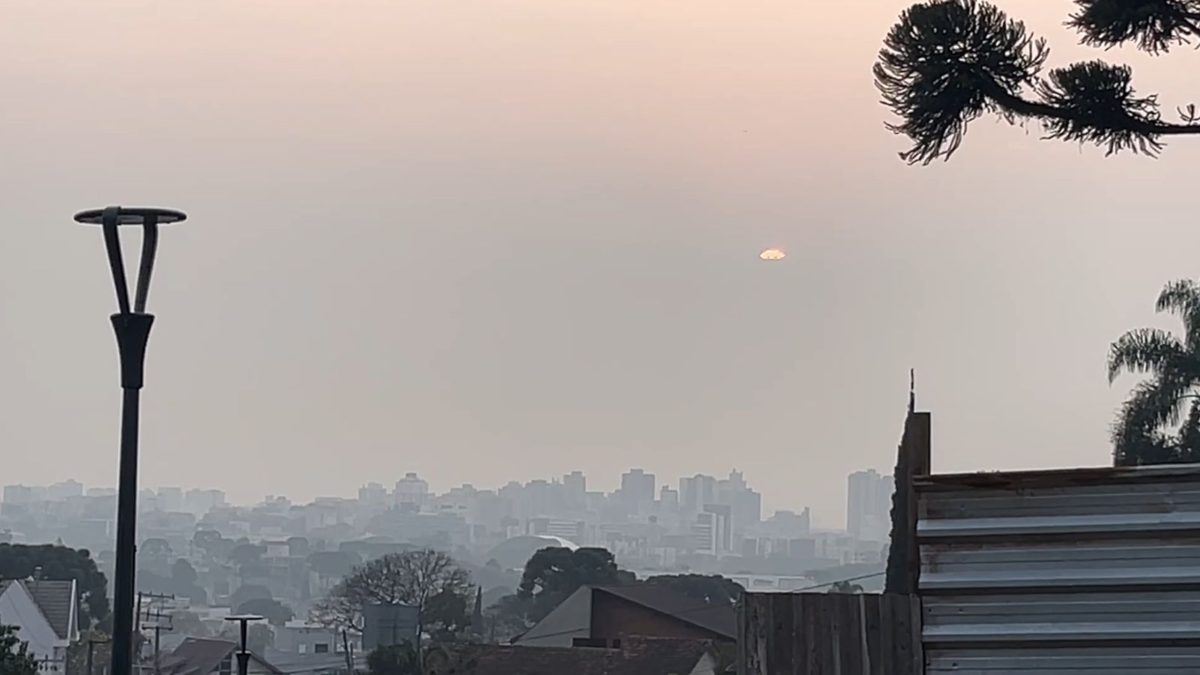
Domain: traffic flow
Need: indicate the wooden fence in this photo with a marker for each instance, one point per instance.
(829, 634)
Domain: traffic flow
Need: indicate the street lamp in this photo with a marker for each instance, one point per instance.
(243, 656)
(132, 326)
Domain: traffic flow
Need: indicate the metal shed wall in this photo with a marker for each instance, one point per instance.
(1081, 571)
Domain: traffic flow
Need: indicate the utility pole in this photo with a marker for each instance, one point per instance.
(158, 627)
(149, 600)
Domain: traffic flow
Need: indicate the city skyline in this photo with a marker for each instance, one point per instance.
(456, 239)
(676, 489)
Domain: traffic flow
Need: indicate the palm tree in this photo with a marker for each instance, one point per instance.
(1148, 429)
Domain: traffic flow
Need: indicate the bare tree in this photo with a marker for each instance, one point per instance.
(426, 579)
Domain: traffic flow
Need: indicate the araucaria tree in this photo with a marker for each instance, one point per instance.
(948, 62)
(1151, 427)
(426, 579)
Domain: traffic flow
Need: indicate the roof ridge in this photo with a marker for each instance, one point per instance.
(681, 614)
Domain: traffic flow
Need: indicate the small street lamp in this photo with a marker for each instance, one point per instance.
(243, 656)
(132, 326)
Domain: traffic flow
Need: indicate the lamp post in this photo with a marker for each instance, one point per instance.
(243, 656)
(132, 326)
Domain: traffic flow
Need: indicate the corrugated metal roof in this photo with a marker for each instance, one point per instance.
(1093, 570)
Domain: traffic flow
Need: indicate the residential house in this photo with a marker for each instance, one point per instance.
(303, 637)
(46, 614)
(603, 614)
(202, 656)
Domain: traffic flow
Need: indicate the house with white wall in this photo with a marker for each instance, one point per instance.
(46, 615)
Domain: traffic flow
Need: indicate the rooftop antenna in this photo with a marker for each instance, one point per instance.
(912, 390)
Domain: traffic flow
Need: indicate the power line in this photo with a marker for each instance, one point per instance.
(839, 581)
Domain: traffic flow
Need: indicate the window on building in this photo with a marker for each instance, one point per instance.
(321, 648)
(303, 648)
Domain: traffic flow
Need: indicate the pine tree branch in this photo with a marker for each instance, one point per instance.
(1024, 107)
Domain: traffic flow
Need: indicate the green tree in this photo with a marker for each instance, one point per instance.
(248, 592)
(429, 580)
(213, 545)
(188, 624)
(553, 573)
(1151, 427)
(333, 563)
(393, 660)
(258, 636)
(15, 658)
(507, 618)
(183, 582)
(276, 613)
(183, 574)
(712, 589)
(244, 555)
(947, 63)
(19, 561)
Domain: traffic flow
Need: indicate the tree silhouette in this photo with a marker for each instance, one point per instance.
(429, 580)
(398, 659)
(248, 592)
(711, 589)
(15, 658)
(553, 573)
(946, 63)
(18, 561)
(275, 612)
(1145, 430)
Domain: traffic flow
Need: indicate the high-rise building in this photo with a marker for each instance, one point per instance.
(668, 499)
(869, 505)
(539, 499)
(411, 490)
(789, 523)
(18, 494)
(575, 489)
(65, 490)
(746, 504)
(711, 533)
(747, 510)
(697, 491)
(200, 502)
(372, 494)
(637, 489)
(571, 530)
(170, 499)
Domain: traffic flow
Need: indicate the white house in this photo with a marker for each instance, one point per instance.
(46, 614)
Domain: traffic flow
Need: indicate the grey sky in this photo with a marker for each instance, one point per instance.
(499, 240)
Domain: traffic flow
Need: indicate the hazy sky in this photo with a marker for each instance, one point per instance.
(489, 240)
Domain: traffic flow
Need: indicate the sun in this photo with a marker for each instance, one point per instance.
(772, 254)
